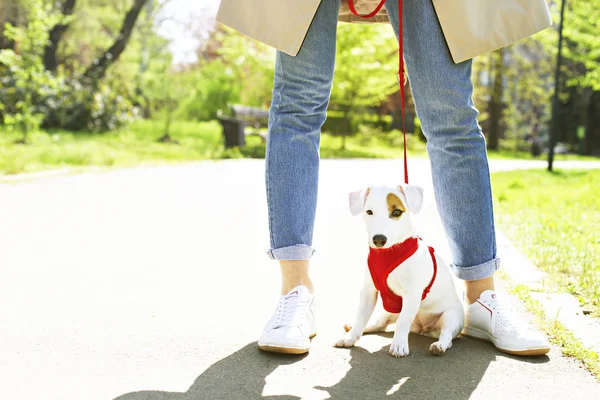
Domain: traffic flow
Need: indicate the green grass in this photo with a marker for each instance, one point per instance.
(137, 144)
(554, 218)
(133, 146)
(524, 155)
(558, 334)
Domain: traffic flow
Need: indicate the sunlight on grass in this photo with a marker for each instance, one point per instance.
(557, 333)
(128, 147)
(138, 144)
(554, 218)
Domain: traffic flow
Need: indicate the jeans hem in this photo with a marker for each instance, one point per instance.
(295, 252)
(476, 272)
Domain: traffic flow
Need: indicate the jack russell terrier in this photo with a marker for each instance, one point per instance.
(415, 284)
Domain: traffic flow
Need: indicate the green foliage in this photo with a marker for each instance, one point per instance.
(252, 63)
(337, 123)
(78, 106)
(25, 83)
(526, 106)
(31, 96)
(215, 85)
(366, 69)
(366, 65)
(231, 69)
(581, 30)
(129, 146)
(528, 77)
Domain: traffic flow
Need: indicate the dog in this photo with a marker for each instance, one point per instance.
(419, 293)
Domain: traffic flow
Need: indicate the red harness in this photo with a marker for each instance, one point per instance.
(383, 261)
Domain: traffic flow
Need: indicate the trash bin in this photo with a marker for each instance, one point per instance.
(233, 131)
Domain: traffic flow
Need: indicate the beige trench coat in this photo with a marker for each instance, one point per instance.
(471, 27)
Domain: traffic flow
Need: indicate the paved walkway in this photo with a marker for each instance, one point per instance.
(152, 284)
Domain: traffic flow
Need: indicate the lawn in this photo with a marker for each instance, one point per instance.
(132, 146)
(554, 218)
(137, 144)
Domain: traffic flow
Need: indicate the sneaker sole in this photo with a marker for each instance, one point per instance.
(285, 350)
(480, 335)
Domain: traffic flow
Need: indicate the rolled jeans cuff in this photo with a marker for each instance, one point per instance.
(476, 272)
(296, 252)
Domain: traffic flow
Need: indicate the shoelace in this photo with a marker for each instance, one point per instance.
(511, 320)
(291, 311)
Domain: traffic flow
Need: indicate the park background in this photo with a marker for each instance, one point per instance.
(123, 83)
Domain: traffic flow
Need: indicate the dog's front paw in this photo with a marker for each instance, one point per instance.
(347, 341)
(399, 348)
(438, 348)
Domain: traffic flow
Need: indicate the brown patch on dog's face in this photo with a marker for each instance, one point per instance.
(395, 206)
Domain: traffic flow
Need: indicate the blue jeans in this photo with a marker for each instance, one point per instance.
(442, 92)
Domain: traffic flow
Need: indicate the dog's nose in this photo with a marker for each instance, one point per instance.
(379, 240)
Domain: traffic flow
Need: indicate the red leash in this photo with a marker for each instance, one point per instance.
(400, 66)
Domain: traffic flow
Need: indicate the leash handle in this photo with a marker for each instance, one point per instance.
(401, 75)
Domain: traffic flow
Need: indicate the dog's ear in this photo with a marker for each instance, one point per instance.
(357, 200)
(414, 197)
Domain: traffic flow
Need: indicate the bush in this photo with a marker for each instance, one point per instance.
(213, 87)
(25, 83)
(373, 137)
(336, 124)
(31, 96)
(79, 106)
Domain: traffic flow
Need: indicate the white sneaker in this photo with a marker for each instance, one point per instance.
(293, 324)
(490, 318)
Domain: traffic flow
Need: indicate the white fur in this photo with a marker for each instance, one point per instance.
(441, 314)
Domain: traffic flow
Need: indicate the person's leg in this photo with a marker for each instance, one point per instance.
(301, 94)
(299, 108)
(294, 273)
(442, 91)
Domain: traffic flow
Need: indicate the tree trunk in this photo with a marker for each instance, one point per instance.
(344, 134)
(56, 34)
(98, 69)
(590, 128)
(348, 123)
(496, 103)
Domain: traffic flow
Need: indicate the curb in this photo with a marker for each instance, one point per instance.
(562, 307)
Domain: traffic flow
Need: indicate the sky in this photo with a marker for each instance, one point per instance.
(179, 19)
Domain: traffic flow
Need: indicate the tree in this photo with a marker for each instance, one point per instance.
(366, 70)
(230, 69)
(495, 108)
(106, 97)
(582, 68)
(56, 34)
(582, 46)
(98, 69)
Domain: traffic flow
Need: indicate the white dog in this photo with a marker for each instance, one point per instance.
(416, 286)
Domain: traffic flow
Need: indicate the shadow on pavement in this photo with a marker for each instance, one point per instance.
(420, 375)
(371, 376)
(240, 375)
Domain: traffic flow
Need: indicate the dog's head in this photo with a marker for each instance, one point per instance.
(387, 212)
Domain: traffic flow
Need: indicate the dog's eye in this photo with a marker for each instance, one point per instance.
(396, 213)
(369, 212)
